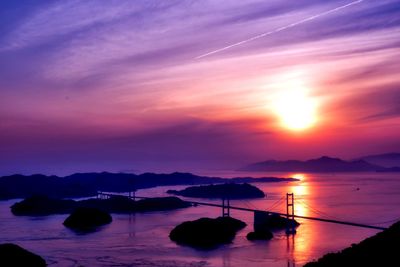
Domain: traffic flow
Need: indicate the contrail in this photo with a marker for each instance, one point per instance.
(280, 29)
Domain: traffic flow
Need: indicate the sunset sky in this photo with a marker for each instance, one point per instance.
(122, 85)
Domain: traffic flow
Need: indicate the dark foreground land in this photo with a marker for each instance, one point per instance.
(43, 205)
(88, 184)
(12, 255)
(381, 249)
(229, 190)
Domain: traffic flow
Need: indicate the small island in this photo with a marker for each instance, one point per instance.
(43, 205)
(272, 222)
(87, 219)
(259, 235)
(227, 190)
(14, 255)
(207, 233)
(265, 223)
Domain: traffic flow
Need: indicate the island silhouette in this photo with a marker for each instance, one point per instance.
(88, 184)
(322, 164)
(227, 191)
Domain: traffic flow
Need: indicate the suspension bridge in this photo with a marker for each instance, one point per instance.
(290, 213)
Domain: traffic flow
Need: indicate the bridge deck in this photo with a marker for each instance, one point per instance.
(272, 212)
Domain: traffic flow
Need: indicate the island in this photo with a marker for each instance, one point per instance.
(265, 221)
(87, 219)
(227, 191)
(381, 249)
(88, 184)
(14, 255)
(43, 205)
(259, 235)
(207, 233)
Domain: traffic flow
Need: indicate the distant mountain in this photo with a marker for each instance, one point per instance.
(87, 184)
(322, 164)
(385, 160)
(391, 169)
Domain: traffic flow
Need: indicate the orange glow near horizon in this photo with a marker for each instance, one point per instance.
(299, 176)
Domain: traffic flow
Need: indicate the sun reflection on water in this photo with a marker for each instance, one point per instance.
(301, 190)
(301, 242)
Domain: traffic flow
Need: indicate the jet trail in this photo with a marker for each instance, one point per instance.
(280, 29)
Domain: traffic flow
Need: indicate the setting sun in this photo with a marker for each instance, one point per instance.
(296, 109)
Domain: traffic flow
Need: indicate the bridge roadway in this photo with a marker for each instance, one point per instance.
(271, 212)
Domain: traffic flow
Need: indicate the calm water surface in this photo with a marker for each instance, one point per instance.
(142, 239)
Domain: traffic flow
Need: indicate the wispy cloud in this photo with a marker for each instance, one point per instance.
(125, 67)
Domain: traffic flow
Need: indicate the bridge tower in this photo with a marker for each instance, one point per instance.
(132, 195)
(132, 190)
(226, 209)
(290, 225)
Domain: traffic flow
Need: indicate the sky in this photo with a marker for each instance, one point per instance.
(135, 86)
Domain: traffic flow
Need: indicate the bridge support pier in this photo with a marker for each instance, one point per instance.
(261, 221)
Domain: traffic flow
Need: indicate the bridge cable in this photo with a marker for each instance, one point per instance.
(276, 203)
(317, 211)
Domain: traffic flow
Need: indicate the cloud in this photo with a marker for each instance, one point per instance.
(381, 105)
(190, 143)
(63, 18)
(114, 80)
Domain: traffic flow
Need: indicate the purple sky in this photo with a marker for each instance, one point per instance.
(116, 86)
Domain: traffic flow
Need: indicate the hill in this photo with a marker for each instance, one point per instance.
(322, 164)
(378, 250)
(386, 160)
(87, 184)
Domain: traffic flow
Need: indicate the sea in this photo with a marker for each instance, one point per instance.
(142, 239)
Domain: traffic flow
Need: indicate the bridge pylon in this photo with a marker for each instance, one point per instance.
(226, 209)
(290, 225)
(132, 195)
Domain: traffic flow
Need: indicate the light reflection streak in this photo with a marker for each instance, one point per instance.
(306, 232)
(300, 190)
